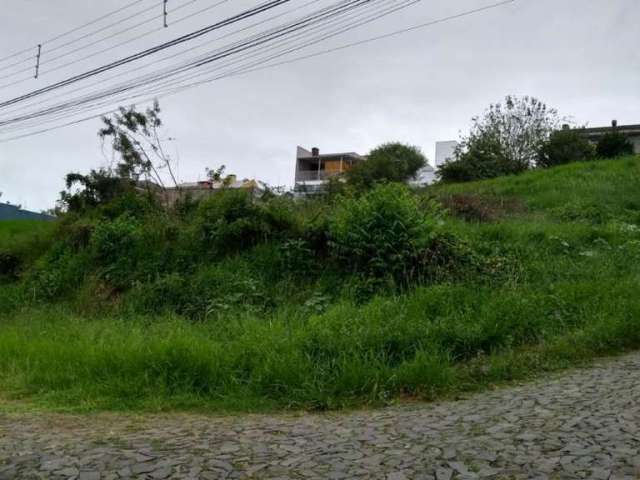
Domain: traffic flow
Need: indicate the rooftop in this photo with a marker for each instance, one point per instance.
(626, 129)
(303, 153)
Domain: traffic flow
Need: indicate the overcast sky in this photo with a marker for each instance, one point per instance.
(579, 56)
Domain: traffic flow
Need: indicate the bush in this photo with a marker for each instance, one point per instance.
(483, 158)
(391, 162)
(212, 292)
(114, 248)
(614, 144)
(232, 220)
(58, 274)
(382, 233)
(565, 146)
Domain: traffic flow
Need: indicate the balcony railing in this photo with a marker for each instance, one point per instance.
(313, 175)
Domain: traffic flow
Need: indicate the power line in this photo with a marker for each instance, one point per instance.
(238, 47)
(249, 70)
(165, 58)
(155, 30)
(156, 76)
(273, 65)
(102, 39)
(75, 29)
(150, 51)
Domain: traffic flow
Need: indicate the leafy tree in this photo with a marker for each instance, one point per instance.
(614, 144)
(507, 139)
(135, 138)
(97, 188)
(390, 162)
(565, 146)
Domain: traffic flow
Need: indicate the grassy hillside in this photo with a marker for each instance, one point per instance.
(21, 235)
(545, 274)
(597, 191)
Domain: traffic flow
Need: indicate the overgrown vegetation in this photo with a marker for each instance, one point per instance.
(364, 296)
(522, 134)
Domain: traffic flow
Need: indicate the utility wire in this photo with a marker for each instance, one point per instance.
(273, 65)
(103, 39)
(75, 29)
(160, 60)
(150, 51)
(248, 70)
(384, 7)
(238, 47)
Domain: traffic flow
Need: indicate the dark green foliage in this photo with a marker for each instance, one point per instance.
(383, 233)
(99, 187)
(114, 246)
(565, 146)
(10, 264)
(482, 158)
(232, 221)
(614, 144)
(391, 162)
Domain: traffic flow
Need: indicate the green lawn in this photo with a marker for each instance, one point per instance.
(563, 289)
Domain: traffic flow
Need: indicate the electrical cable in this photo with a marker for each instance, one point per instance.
(273, 65)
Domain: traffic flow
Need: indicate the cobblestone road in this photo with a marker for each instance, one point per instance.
(584, 424)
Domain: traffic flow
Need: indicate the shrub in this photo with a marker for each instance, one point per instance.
(391, 162)
(614, 144)
(483, 158)
(223, 289)
(230, 221)
(383, 232)
(58, 274)
(114, 247)
(565, 146)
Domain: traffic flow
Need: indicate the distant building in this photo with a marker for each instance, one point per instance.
(632, 132)
(313, 169)
(206, 188)
(14, 212)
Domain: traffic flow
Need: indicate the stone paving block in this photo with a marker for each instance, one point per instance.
(581, 424)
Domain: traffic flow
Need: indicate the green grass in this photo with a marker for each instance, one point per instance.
(25, 236)
(598, 190)
(565, 291)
